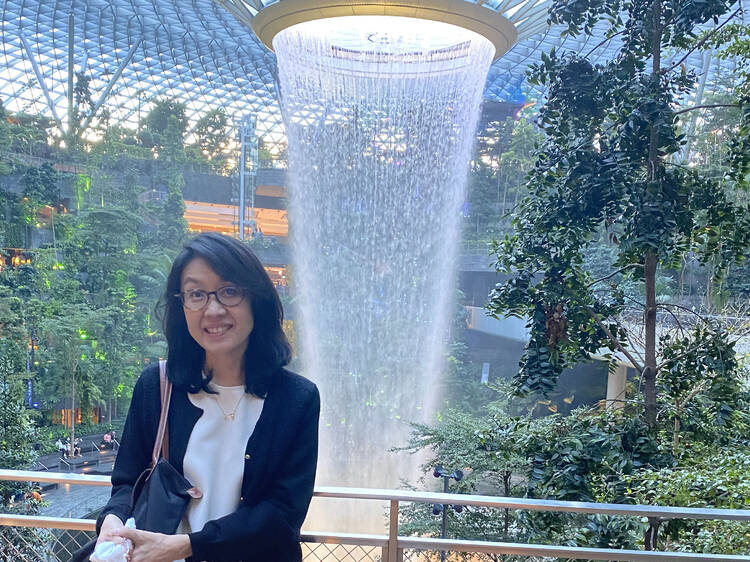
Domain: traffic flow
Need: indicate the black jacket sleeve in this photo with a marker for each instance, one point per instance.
(133, 457)
(272, 525)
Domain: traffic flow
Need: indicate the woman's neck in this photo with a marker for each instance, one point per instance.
(225, 371)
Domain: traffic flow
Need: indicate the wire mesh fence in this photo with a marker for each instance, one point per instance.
(28, 544)
(319, 552)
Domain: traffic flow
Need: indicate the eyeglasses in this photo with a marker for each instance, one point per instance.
(197, 299)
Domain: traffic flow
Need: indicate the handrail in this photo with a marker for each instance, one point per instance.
(54, 477)
(552, 551)
(535, 504)
(420, 543)
(12, 520)
(629, 510)
(392, 545)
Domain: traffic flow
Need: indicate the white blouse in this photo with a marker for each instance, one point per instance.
(215, 456)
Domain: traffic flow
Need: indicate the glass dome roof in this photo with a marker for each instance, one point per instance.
(202, 52)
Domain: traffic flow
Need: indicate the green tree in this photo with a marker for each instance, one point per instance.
(164, 125)
(30, 134)
(610, 167)
(496, 180)
(607, 164)
(732, 42)
(716, 477)
(40, 184)
(6, 139)
(17, 431)
(17, 434)
(82, 113)
(69, 353)
(212, 134)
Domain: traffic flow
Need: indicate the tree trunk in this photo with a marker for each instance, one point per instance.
(652, 534)
(506, 518)
(649, 367)
(651, 258)
(73, 415)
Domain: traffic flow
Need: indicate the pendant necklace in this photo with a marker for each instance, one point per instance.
(229, 415)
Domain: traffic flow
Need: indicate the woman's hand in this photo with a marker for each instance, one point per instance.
(155, 547)
(110, 526)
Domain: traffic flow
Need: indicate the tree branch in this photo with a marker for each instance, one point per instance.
(634, 345)
(680, 405)
(678, 356)
(615, 342)
(636, 301)
(614, 273)
(672, 314)
(686, 309)
(603, 42)
(702, 42)
(707, 106)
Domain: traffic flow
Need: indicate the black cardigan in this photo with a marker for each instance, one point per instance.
(277, 485)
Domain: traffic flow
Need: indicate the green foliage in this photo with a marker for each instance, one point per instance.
(703, 389)
(605, 166)
(212, 133)
(164, 126)
(611, 212)
(16, 428)
(105, 270)
(83, 109)
(30, 134)
(496, 179)
(708, 478)
(588, 455)
(606, 456)
(40, 185)
(732, 41)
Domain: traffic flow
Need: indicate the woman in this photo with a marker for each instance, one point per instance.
(241, 428)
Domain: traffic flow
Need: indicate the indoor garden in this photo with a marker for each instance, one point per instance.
(515, 272)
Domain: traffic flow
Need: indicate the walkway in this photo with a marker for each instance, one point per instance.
(76, 501)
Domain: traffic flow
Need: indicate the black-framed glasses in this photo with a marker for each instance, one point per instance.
(197, 299)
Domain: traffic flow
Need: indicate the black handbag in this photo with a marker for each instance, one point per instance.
(161, 494)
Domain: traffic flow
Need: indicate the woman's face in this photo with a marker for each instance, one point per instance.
(217, 328)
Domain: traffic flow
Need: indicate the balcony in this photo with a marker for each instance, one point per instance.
(31, 538)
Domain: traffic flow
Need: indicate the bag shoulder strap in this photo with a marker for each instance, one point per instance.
(161, 445)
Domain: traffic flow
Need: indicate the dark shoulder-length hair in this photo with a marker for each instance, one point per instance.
(268, 348)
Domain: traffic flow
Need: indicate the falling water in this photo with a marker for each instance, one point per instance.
(380, 114)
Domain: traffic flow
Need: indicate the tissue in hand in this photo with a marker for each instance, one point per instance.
(108, 551)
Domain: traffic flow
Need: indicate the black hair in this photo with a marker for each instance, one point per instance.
(268, 348)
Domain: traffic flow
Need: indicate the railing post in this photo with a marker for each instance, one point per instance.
(393, 533)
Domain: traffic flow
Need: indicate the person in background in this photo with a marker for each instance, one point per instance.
(242, 428)
(61, 448)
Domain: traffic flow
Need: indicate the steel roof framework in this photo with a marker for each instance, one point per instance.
(203, 53)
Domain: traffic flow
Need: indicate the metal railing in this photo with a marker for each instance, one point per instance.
(330, 546)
